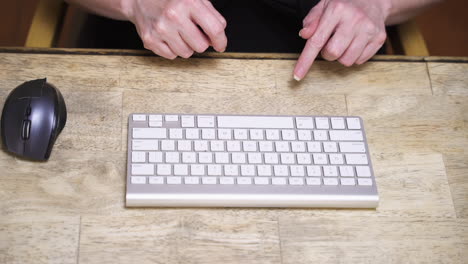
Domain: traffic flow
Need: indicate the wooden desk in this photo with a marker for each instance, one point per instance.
(71, 208)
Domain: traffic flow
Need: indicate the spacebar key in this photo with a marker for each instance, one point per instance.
(255, 122)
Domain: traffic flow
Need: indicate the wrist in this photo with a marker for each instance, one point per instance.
(386, 7)
(126, 8)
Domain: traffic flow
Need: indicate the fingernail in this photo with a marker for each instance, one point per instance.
(296, 78)
(300, 33)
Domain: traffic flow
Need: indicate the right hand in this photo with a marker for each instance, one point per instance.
(172, 28)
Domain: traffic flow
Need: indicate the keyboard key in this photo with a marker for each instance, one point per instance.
(142, 169)
(256, 134)
(209, 180)
(172, 157)
(156, 180)
(181, 169)
(249, 145)
(247, 170)
(255, 122)
(192, 180)
(192, 133)
(171, 118)
(356, 159)
(353, 123)
(155, 123)
(352, 147)
(297, 170)
(155, 118)
(272, 134)
(304, 135)
(330, 181)
(214, 170)
(238, 158)
(271, 158)
(155, 157)
(261, 181)
(231, 170)
(314, 171)
(233, 146)
(138, 156)
(337, 123)
(197, 169)
(187, 121)
(167, 145)
(137, 117)
(184, 145)
(244, 180)
(138, 180)
(265, 146)
(149, 133)
(304, 122)
(224, 134)
(208, 133)
(206, 121)
(287, 158)
(189, 157)
(174, 180)
(222, 157)
(240, 134)
(296, 181)
(175, 133)
(226, 180)
(280, 170)
(303, 158)
(320, 135)
(322, 123)
(288, 134)
(330, 171)
(205, 157)
(363, 171)
(320, 159)
(264, 170)
(217, 145)
(200, 145)
(346, 135)
(336, 159)
(347, 181)
(346, 171)
(314, 147)
(365, 182)
(144, 145)
(282, 146)
(298, 146)
(330, 147)
(254, 158)
(278, 181)
(313, 181)
(164, 169)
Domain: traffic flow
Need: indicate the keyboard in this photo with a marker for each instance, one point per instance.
(201, 160)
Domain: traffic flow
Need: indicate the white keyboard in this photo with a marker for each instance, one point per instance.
(248, 161)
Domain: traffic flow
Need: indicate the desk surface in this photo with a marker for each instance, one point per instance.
(71, 209)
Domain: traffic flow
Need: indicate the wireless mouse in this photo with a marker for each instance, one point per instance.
(33, 116)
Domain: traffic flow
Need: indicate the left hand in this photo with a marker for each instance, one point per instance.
(350, 31)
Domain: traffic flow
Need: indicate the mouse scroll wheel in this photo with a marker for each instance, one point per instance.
(26, 129)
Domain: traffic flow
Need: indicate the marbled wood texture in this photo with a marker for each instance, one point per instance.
(71, 209)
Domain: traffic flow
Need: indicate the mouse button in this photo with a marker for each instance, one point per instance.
(29, 89)
(25, 131)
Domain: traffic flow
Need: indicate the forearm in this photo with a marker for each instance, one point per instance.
(115, 9)
(401, 10)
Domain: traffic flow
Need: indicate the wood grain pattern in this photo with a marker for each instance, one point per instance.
(71, 208)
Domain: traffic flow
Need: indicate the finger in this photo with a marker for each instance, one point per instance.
(311, 21)
(338, 43)
(211, 26)
(215, 12)
(194, 37)
(163, 50)
(178, 45)
(327, 25)
(354, 51)
(368, 52)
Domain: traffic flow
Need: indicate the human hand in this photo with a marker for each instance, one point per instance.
(172, 28)
(350, 31)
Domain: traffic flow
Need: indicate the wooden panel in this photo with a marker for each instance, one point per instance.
(16, 17)
(449, 78)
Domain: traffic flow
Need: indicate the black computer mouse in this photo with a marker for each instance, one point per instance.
(33, 116)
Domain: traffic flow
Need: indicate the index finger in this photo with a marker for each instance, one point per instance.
(211, 25)
(326, 27)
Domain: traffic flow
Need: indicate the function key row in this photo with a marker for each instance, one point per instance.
(251, 121)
